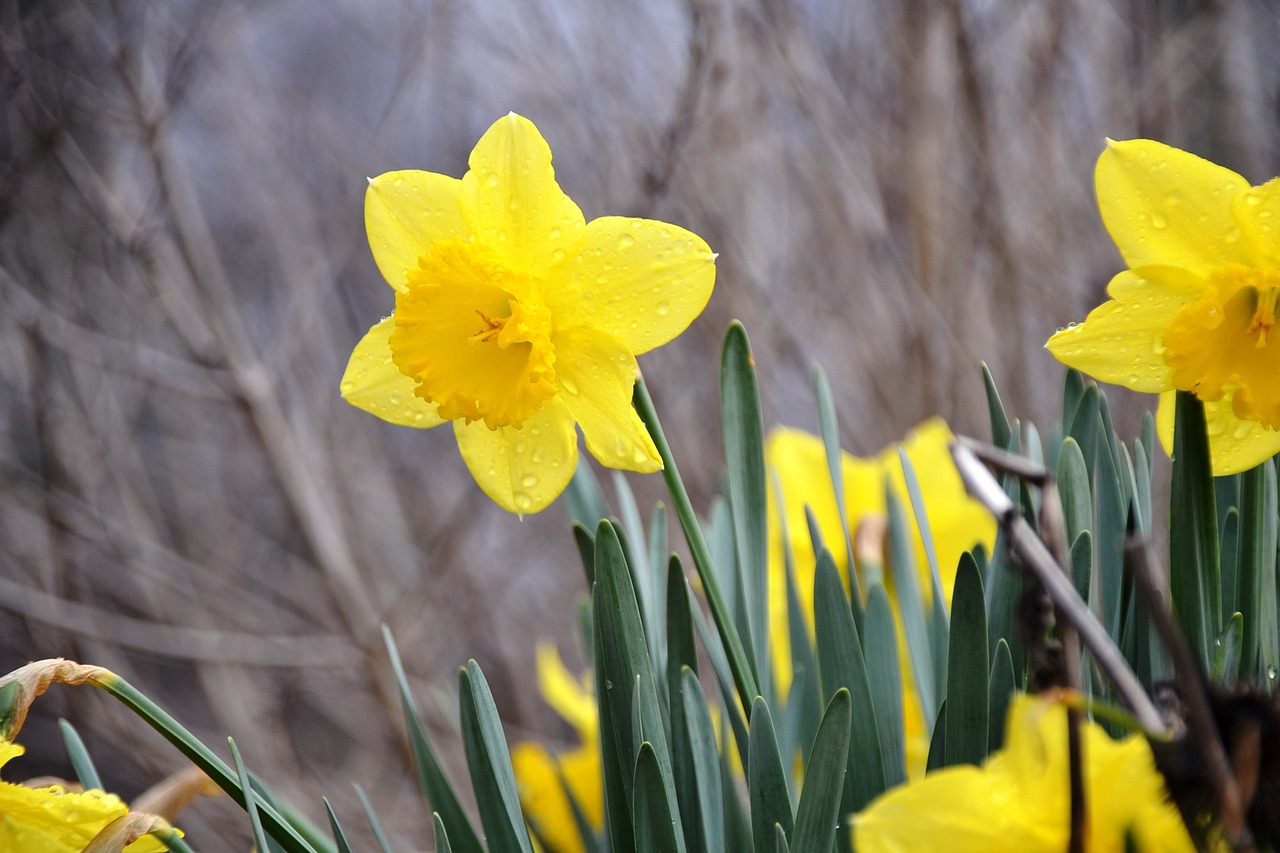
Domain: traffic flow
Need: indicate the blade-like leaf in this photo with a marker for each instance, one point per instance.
(766, 780)
(655, 826)
(818, 814)
(884, 673)
(340, 837)
(999, 693)
(706, 767)
(1193, 532)
(968, 669)
(490, 765)
(81, 763)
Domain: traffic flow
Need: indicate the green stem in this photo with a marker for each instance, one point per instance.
(738, 663)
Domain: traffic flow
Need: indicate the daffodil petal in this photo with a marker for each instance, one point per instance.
(640, 280)
(523, 469)
(1257, 212)
(511, 202)
(1166, 206)
(1122, 340)
(1235, 445)
(597, 375)
(373, 382)
(404, 214)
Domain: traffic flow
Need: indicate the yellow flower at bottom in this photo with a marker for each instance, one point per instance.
(1196, 310)
(517, 319)
(541, 777)
(1019, 800)
(957, 522)
(54, 820)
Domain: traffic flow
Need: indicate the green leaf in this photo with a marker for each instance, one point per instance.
(829, 428)
(1074, 490)
(999, 693)
(490, 764)
(1226, 666)
(441, 795)
(706, 767)
(383, 844)
(291, 836)
(655, 825)
(682, 656)
(841, 664)
(884, 673)
(623, 660)
(1255, 592)
(340, 837)
(248, 802)
(649, 578)
(442, 837)
(766, 779)
(1072, 391)
(586, 551)
(585, 498)
(743, 432)
(780, 840)
(1082, 564)
(818, 814)
(968, 670)
(803, 709)
(1113, 511)
(1193, 532)
(81, 763)
(911, 606)
(1000, 431)
(743, 676)
(938, 744)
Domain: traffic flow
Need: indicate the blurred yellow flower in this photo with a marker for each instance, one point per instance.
(539, 774)
(1196, 308)
(515, 318)
(54, 820)
(1019, 800)
(958, 523)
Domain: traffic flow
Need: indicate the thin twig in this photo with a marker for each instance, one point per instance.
(1035, 555)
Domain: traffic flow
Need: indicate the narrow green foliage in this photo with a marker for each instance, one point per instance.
(709, 816)
(1082, 564)
(968, 670)
(1226, 665)
(490, 765)
(682, 657)
(1083, 426)
(440, 793)
(938, 743)
(1193, 532)
(623, 661)
(585, 498)
(829, 428)
(911, 606)
(804, 702)
(780, 844)
(736, 655)
(247, 802)
(999, 691)
(818, 813)
(340, 837)
(442, 837)
(81, 763)
(655, 825)
(374, 823)
(1072, 392)
(586, 544)
(1000, 431)
(766, 779)
(1074, 490)
(884, 673)
(1112, 507)
(841, 664)
(743, 433)
(1255, 577)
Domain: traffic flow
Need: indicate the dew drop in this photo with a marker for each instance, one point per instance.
(555, 233)
(664, 308)
(1158, 220)
(557, 255)
(569, 386)
(529, 481)
(626, 241)
(1215, 427)
(523, 502)
(1271, 673)
(603, 278)
(348, 387)
(1243, 428)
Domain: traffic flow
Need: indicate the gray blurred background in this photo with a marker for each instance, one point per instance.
(898, 189)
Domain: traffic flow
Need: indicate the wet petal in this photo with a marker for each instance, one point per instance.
(1257, 212)
(640, 280)
(1121, 341)
(511, 202)
(404, 214)
(1166, 206)
(373, 382)
(1235, 445)
(596, 375)
(524, 469)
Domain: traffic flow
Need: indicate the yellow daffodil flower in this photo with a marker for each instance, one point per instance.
(1196, 308)
(539, 774)
(55, 820)
(1019, 799)
(515, 318)
(957, 522)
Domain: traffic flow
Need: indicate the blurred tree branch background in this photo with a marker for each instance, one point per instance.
(898, 190)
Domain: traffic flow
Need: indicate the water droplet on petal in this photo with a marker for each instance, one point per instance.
(557, 255)
(523, 501)
(664, 308)
(1158, 220)
(626, 241)
(491, 180)
(529, 481)
(569, 386)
